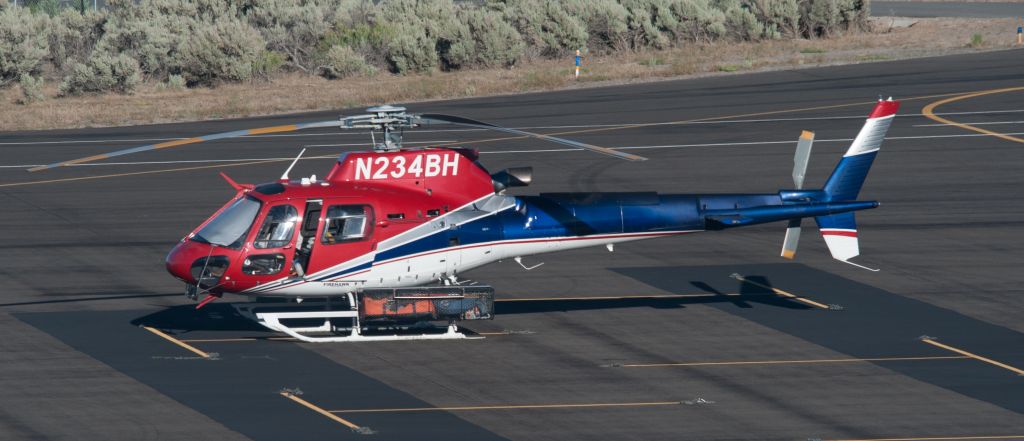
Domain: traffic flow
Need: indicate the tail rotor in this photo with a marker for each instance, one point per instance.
(800, 160)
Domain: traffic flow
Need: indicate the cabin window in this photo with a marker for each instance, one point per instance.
(433, 213)
(396, 216)
(277, 228)
(345, 223)
(263, 264)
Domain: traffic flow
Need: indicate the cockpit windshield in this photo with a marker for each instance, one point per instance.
(229, 227)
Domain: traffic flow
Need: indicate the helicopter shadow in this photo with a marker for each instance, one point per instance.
(747, 296)
(223, 317)
(183, 319)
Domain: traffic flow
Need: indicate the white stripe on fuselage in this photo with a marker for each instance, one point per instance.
(434, 226)
(428, 267)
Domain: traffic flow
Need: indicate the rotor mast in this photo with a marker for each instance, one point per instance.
(389, 120)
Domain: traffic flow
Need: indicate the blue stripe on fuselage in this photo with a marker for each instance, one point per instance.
(573, 215)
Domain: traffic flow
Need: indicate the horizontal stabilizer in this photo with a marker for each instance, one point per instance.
(736, 217)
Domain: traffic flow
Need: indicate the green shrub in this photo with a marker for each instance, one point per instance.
(699, 20)
(487, 41)
(176, 82)
(292, 27)
(783, 15)
(607, 23)
(102, 73)
(342, 62)
(547, 27)
(206, 42)
(411, 50)
(226, 50)
(48, 7)
(31, 89)
(977, 40)
(433, 24)
(149, 33)
(23, 44)
(268, 63)
(73, 36)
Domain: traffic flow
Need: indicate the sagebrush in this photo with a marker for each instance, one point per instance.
(208, 42)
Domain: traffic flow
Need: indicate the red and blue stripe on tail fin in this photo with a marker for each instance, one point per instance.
(840, 230)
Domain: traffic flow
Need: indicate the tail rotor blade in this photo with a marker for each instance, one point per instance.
(802, 157)
(458, 120)
(792, 239)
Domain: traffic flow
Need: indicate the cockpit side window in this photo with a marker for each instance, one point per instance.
(345, 223)
(278, 227)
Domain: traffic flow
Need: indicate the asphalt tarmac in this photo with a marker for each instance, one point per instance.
(947, 9)
(706, 337)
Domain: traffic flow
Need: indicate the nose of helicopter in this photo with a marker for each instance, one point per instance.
(178, 261)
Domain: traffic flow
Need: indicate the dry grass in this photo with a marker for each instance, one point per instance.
(297, 92)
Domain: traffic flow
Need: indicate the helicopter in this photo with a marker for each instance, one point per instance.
(375, 249)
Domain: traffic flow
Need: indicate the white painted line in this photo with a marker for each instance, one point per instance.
(504, 152)
(992, 123)
(578, 126)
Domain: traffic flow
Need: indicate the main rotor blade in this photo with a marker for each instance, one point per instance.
(186, 141)
(458, 120)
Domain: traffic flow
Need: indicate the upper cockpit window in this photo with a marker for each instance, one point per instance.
(277, 228)
(229, 227)
(270, 189)
(344, 223)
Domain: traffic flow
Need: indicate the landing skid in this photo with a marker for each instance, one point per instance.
(275, 316)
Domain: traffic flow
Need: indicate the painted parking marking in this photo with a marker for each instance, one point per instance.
(780, 292)
(238, 339)
(987, 123)
(938, 438)
(177, 342)
(810, 361)
(585, 298)
(249, 161)
(511, 407)
(929, 112)
(323, 412)
(550, 127)
(932, 342)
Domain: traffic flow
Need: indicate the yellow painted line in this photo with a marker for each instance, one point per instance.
(827, 360)
(781, 292)
(929, 112)
(148, 172)
(938, 438)
(974, 356)
(239, 339)
(713, 118)
(510, 407)
(316, 409)
(176, 341)
(666, 296)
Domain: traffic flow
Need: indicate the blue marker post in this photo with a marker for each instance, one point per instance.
(1020, 35)
(578, 58)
